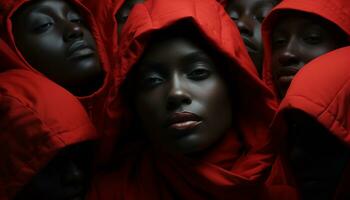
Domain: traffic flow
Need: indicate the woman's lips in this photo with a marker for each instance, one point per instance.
(185, 125)
(79, 49)
(286, 75)
(182, 121)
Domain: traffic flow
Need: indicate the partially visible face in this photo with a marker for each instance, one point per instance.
(297, 39)
(316, 156)
(180, 97)
(123, 13)
(54, 39)
(248, 15)
(65, 177)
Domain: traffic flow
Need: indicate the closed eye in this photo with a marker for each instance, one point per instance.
(43, 27)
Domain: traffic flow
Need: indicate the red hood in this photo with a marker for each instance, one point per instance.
(222, 2)
(255, 110)
(38, 118)
(322, 90)
(15, 60)
(335, 11)
(104, 12)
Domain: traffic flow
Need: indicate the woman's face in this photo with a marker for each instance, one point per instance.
(65, 176)
(248, 16)
(316, 156)
(123, 13)
(180, 97)
(54, 39)
(297, 39)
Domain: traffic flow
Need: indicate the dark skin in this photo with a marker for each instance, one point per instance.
(64, 177)
(177, 79)
(53, 38)
(316, 156)
(298, 38)
(123, 13)
(248, 16)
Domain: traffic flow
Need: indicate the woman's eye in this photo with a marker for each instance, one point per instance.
(43, 27)
(199, 74)
(77, 20)
(278, 41)
(152, 80)
(313, 39)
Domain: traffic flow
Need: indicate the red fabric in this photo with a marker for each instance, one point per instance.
(104, 12)
(146, 174)
(322, 90)
(38, 118)
(335, 11)
(93, 103)
(222, 2)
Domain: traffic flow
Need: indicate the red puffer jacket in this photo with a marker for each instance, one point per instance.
(38, 118)
(321, 89)
(93, 103)
(164, 177)
(335, 11)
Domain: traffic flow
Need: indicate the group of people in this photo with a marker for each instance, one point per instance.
(174, 99)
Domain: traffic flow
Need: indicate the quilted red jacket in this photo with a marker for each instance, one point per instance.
(335, 11)
(165, 177)
(38, 118)
(321, 89)
(93, 103)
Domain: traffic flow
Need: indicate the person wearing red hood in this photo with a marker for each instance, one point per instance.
(123, 13)
(60, 40)
(191, 112)
(316, 109)
(248, 15)
(45, 139)
(298, 31)
(295, 33)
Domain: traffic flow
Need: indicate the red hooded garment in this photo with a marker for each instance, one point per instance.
(93, 103)
(104, 12)
(147, 174)
(334, 11)
(38, 118)
(322, 90)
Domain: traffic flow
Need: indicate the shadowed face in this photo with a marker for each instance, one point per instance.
(248, 16)
(54, 39)
(317, 157)
(297, 39)
(123, 13)
(180, 97)
(65, 177)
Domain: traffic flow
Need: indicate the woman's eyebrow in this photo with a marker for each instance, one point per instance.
(196, 56)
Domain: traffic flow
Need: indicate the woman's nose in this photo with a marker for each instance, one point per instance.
(289, 55)
(178, 94)
(245, 25)
(73, 31)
